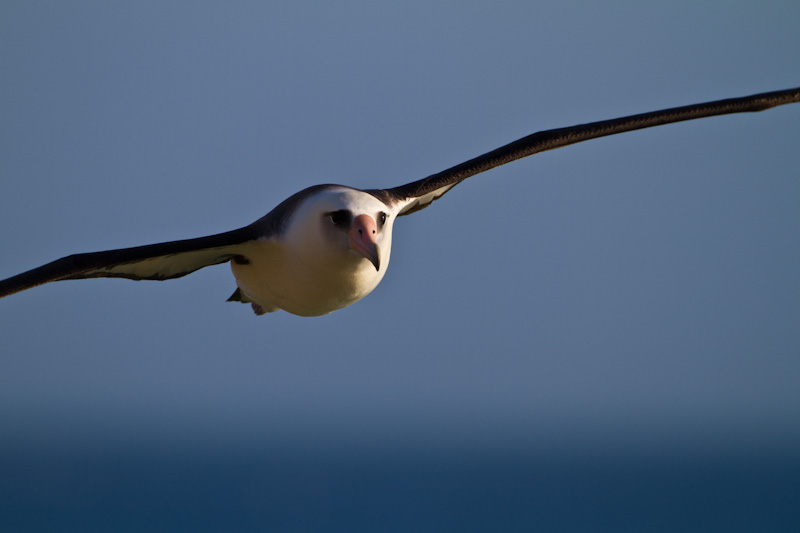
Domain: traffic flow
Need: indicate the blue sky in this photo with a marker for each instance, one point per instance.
(634, 293)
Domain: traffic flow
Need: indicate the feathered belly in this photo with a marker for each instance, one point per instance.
(272, 279)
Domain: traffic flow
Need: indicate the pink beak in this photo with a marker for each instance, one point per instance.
(364, 239)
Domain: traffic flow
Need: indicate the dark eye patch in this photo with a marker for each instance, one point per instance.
(341, 218)
(381, 219)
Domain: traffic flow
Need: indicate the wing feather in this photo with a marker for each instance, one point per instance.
(161, 261)
(166, 260)
(421, 193)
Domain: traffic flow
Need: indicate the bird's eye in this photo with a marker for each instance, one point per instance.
(381, 219)
(341, 218)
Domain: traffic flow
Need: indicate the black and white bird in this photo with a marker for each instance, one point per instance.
(328, 246)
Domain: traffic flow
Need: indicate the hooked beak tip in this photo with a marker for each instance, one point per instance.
(375, 258)
(372, 254)
(369, 251)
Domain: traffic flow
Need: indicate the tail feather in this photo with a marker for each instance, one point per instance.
(239, 296)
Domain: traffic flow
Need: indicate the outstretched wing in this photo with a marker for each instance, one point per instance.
(166, 260)
(419, 194)
(162, 261)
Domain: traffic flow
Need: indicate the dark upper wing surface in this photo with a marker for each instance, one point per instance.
(166, 260)
(155, 261)
(419, 194)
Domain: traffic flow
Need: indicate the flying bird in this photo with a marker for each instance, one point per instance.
(328, 246)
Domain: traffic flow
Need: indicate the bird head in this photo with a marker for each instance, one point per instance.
(339, 226)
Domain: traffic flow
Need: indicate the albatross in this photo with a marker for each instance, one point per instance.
(328, 246)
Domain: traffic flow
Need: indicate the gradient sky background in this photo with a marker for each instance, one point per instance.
(633, 294)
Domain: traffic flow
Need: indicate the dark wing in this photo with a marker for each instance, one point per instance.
(156, 261)
(419, 194)
(166, 260)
